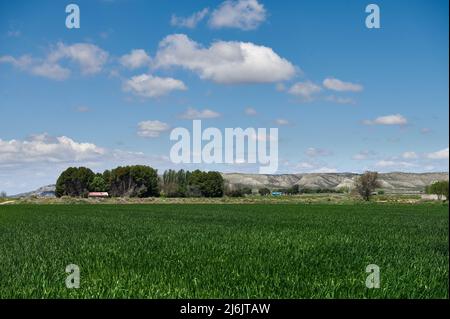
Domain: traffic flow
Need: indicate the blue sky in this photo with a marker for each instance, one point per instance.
(344, 97)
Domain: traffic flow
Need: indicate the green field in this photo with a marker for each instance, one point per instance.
(229, 251)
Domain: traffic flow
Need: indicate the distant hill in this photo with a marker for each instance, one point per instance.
(396, 182)
(44, 191)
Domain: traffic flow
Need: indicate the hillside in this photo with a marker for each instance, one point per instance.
(396, 182)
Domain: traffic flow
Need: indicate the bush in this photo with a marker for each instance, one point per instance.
(264, 191)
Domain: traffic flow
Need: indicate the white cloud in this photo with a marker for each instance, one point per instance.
(44, 148)
(22, 62)
(409, 155)
(250, 111)
(314, 152)
(152, 86)
(241, 14)
(152, 128)
(135, 59)
(90, 57)
(305, 90)
(191, 21)
(224, 62)
(282, 122)
(442, 154)
(51, 70)
(193, 114)
(341, 86)
(392, 163)
(395, 119)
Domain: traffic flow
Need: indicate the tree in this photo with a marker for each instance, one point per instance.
(74, 181)
(207, 184)
(98, 184)
(134, 181)
(366, 184)
(294, 190)
(3, 194)
(174, 184)
(439, 188)
(264, 191)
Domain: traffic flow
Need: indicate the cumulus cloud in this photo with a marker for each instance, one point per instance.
(227, 62)
(395, 119)
(152, 128)
(43, 148)
(193, 114)
(51, 70)
(438, 155)
(409, 155)
(241, 14)
(89, 57)
(305, 90)
(341, 86)
(152, 86)
(191, 21)
(135, 59)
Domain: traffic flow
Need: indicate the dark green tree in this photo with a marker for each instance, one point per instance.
(74, 181)
(134, 181)
(98, 184)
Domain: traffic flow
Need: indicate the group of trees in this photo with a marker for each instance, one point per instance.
(439, 188)
(139, 181)
(192, 184)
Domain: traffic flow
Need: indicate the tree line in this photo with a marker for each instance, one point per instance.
(139, 181)
(143, 181)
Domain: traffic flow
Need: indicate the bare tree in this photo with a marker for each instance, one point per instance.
(366, 184)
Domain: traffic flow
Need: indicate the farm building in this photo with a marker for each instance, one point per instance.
(98, 194)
